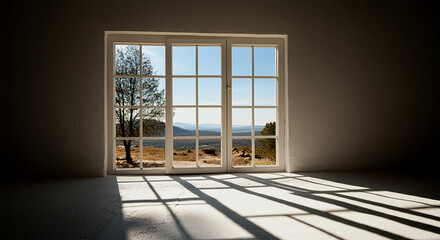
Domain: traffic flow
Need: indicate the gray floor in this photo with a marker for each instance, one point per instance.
(227, 206)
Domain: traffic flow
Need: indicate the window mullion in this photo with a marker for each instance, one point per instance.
(141, 127)
(197, 105)
(228, 105)
(253, 110)
(169, 108)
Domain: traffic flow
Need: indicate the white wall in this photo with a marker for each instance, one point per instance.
(361, 77)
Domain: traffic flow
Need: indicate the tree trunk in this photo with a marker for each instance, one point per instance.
(127, 146)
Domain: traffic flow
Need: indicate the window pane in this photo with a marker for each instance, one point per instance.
(265, 119)
(241, 61)
(210, 91)
(210, 121)
(127, 92)
(265, 151)
(153, 91)
(184, 60)
(154, 122)
(127, 60)
(241, 122)
(184, 122)
(127, 122)
(153, 153)
(241, 152)
(210, 152)
(209, 60)
(184, 152)
(264, 61)
(241, 92)
(184, 91)
(153, 60)
(265, 92)
(127, 154)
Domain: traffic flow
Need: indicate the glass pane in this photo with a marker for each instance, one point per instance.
(153, 153)
(127, 60)
(184, 122)
(210, 121)
(265, 92)
(241, 61)
(127, 154)
(265, 119)
(241, 92)
(154, 122)
(184, 152)
(264, 61)
(184, 91)
(210, 91)
(209, 60)
(153, 91)
(127, 92)
(153, 60)
(184, 60)
(127, 122)
(265, 151)
(241, 122)
(241, 152)
(210, 152)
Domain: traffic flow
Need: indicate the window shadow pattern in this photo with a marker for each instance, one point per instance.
(332, 209)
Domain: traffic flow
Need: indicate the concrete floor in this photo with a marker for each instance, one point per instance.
(227, 206)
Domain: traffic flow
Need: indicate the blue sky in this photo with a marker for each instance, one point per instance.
(157, 58)
(209, 63)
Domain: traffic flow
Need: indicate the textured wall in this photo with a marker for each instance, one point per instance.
(361, 77)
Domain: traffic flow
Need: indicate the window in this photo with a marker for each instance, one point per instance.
(194, 103)
(197, 107)
(139, 105)
(254, 105)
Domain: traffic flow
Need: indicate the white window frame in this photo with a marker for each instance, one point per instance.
(226, 41)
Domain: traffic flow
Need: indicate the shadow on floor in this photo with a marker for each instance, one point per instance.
(328, 205)
(81, 208)
(228, 206)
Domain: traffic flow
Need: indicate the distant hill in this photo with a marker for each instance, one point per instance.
(217, 127)
(189, 144)
(178, 131)
(185, 129)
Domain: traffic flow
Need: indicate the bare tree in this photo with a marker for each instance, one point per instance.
(127, 63)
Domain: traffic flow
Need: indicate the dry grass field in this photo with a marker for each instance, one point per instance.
(155, 157)
(242, 156)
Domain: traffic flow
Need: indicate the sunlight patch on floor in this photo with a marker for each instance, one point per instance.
(283, 206)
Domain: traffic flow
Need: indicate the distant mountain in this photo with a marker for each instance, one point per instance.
(187, 126)
(186, 129)
(244, 128)
(178, 131)
(210, 127)
(204, 127)
(217, 127)
(207, 143)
